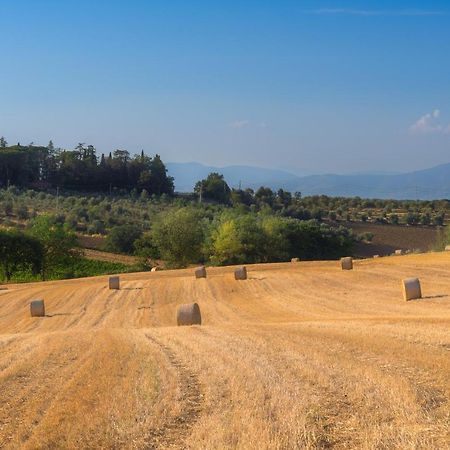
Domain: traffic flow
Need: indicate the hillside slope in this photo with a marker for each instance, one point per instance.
(298, 356)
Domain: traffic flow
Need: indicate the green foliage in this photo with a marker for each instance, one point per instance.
(242, 197)
(367, 237)
(146, 248)
(8, 206)
(19, 252)
(394, 219)
(121, 238)
(81, 169)
(22, 212)
(252, 239)
(264, 196)
(58, 245)
(178, 236)
(238, 240)
(80, 267)
(214, 187)
(83, 267)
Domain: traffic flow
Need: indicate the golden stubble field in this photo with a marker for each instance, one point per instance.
(298, 356)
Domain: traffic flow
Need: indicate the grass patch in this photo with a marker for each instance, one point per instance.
(81, 268)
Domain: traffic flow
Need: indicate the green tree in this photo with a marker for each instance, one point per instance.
(19, 252)
(214, 187)
(265, 195)
(242, 197)
(238, 240)
(58, 245)
(178, 236)
(146, 248)
(121, 239)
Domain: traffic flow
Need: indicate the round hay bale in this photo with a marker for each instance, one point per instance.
(240, 273)
(189, 314)
(347, 263)
(200, 272)
(376, 256)
(411, 289)
(295, 260)
(37, 308)
(447, 248)
(155, 269)
(398, 252)
(114, 282)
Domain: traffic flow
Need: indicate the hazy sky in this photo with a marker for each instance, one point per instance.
(337, 86)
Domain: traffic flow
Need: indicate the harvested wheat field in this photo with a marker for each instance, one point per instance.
(297, 356)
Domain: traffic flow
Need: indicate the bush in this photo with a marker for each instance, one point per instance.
(121, 239)
(146, 248)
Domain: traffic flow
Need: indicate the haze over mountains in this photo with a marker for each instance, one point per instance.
(427, 184)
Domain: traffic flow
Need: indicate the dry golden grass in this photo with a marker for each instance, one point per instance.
(298, 356)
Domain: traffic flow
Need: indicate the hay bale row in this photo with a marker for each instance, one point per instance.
(239, 274)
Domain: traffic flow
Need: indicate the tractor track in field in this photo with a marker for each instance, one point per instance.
(173, 433)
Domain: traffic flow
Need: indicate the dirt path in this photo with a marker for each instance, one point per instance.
(174, 432)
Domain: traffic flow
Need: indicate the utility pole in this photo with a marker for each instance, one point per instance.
(240, 185)
(201, 192)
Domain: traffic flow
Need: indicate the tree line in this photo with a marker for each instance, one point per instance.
(346, 209)
(190, 235)
(81, 169)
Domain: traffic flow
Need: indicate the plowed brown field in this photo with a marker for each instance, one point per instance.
(298, 356)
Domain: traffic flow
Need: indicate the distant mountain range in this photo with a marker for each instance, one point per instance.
(425, 184)
(187, 174)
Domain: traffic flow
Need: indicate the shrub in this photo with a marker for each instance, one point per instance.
(121, 238)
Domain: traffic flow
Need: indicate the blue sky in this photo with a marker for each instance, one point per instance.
(337, 86)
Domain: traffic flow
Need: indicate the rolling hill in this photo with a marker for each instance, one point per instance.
(298, 356)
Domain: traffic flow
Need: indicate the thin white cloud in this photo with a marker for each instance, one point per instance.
(428, 123)
(374, 12)
(237, 124)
